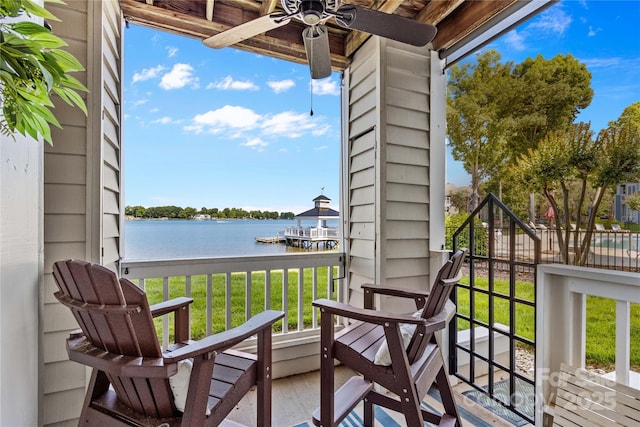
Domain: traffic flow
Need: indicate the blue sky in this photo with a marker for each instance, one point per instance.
(226, 128)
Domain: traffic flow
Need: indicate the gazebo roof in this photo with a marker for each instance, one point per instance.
(321, 210)
(319, 213)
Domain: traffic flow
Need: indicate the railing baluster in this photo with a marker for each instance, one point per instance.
(165, 319)
(285, 300)
(228, 297)
(314, 296)
(209, 304)
(300, 299)
(267, 290)
(247, 295)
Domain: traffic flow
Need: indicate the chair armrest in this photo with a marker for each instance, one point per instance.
(169, 306)
(396, 292)
(82, 351)
(431, 324)
(370, 289)
(364, 314)
(227, 339)
(180, 307)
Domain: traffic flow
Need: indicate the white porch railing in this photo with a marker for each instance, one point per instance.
(312, 232)
(561, 315)
(294, 267)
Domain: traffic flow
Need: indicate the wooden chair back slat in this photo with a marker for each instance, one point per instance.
(438, 297)
(115, 328)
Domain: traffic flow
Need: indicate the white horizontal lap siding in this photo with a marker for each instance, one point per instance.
(111, 135)
(65, 181)
(406, 136)
(361, 160)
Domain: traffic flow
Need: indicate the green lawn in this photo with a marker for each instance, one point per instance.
(601, 326)
(600, 345)
(153, 288)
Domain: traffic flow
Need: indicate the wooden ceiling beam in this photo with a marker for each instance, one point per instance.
(268, 6)
(283, 43)
(465, 19)
(209, 13)
(435, 11)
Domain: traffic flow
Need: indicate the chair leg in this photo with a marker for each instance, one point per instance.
(264, 400)
(98, 384)
(368, 413)
(446, 394)
(327, 371)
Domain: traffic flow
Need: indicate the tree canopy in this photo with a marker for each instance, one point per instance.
(175, 212)
(496, 111)
(573, 161)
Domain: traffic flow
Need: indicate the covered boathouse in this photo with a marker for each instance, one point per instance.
(322, 236)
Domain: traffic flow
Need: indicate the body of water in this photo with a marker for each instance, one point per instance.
(171, 239)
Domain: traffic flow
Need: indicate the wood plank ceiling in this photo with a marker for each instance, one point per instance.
(455, 20)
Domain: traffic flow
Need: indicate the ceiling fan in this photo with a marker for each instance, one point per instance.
(315, 13)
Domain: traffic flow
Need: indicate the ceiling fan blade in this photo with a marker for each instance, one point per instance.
(316, 43)
(385, 25)
(244, 31)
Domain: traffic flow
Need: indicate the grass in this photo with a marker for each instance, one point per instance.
(177, 287)
(600, 327)
(600, 345)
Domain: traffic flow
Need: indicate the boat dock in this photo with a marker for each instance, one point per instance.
(270, 239)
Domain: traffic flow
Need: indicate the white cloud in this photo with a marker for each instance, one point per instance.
(171, 51)
(593, 31)
(235, 122)
(147, 73)
(288, 124)
(140, 102)
(281, 85)
(325, 87)
(179, 77)
(166, 120)
(228, 83)
(256, 144)
(321, 148)
(154, 110)
(554, 20)
(226, 118)
(515, 40)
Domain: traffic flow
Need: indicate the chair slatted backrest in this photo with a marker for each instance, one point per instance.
(438, 297)
(114, 315)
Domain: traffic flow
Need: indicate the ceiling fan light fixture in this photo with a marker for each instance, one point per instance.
(311, 11)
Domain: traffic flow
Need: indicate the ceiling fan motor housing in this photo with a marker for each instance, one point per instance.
(311, 12)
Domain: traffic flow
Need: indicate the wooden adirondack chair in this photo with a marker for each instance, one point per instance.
(130, 383)
(411, 372)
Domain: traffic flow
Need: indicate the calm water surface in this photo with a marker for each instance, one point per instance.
(161, 239)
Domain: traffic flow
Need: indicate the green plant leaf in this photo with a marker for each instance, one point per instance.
(77, 100)
(37, 10)
(48, 40)
(28, 28)
(66, 61)
(73, 83)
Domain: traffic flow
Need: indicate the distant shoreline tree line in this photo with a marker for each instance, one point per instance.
(176, 212)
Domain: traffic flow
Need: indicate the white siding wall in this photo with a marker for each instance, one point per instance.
(389, 167)
(81, 190)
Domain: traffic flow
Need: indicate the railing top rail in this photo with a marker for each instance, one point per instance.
(614, 284)
(139, 269)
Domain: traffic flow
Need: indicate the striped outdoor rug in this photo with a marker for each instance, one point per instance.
(391, 419)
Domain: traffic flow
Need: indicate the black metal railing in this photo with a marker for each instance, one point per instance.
(495, 318)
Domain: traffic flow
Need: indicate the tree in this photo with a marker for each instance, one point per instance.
(633, 201)
(473, 123)
(496, 112)
(572, 160)
(32, 66)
